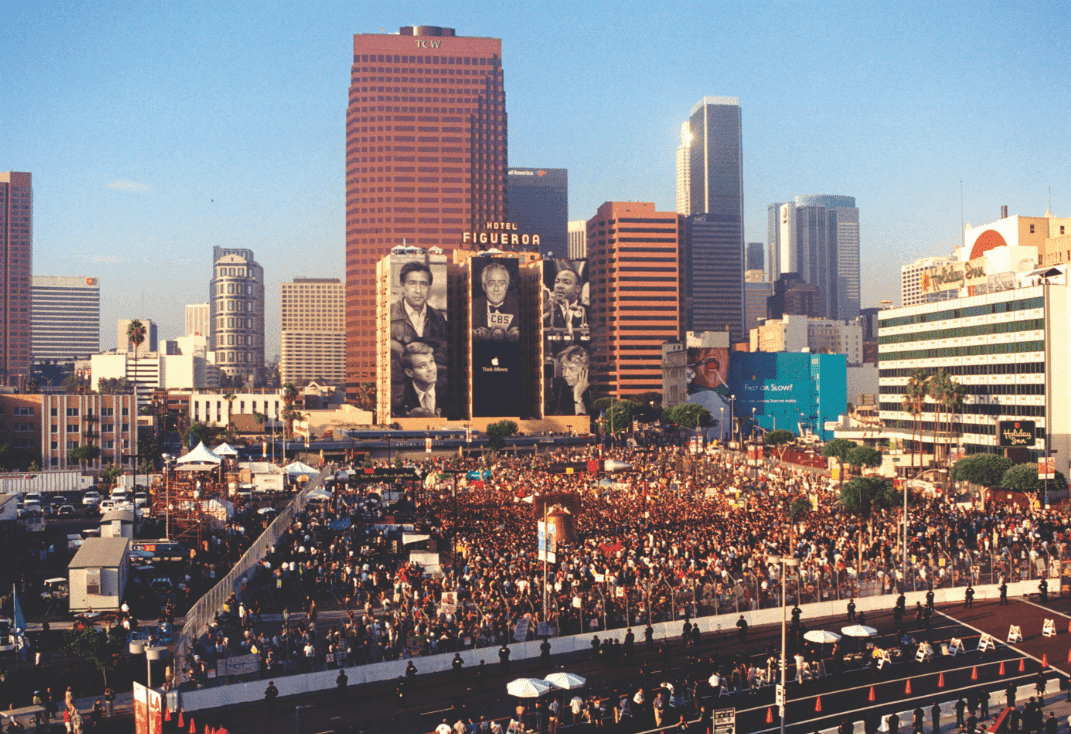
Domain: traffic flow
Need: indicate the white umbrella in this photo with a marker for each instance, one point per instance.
(822, 637)
(859, 630)
(527, 688)
(568, 681)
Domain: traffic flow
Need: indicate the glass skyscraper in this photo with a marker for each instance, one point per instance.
(538, 202)
(712, 261)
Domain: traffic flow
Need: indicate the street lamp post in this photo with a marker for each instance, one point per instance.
(785, 563)
(732, 418)
(721, 426)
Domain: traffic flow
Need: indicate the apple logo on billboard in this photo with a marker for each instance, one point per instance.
(494, 361)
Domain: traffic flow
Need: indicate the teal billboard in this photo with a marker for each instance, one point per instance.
(787, 390)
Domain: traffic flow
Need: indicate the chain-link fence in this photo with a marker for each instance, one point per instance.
(204, 609)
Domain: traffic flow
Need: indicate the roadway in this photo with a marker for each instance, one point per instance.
(374, 707)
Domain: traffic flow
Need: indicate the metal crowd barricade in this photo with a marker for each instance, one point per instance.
(205, 608)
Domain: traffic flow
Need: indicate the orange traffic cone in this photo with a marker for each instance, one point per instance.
(1001, 667)
(974, 673)
(871, 696)
(193, 729)
(167, 713)
(941, 681)
(1022, 665)
(818, 705)
(907, 688)
(769, 714)
(181, 723)
(1045, 660)
(1069, 656)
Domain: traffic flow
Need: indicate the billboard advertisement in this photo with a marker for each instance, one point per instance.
(1016, 434)
(708, 386)
(566, 338)
(496, 334)
(418, 336)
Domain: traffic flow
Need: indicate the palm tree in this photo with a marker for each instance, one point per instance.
(289, 392)
(230, 397)
(135, 335)
(912, 402)
(939, 387)
(953, 402)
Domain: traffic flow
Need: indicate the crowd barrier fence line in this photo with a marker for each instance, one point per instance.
(209, 698)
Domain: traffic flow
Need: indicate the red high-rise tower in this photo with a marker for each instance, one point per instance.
(425, 158)
(16, 269)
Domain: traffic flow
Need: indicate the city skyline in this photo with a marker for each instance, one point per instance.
(141, 171)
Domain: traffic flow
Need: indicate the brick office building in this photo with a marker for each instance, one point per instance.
(635, 304)
(425, 158)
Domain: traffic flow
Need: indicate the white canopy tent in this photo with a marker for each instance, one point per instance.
(225, 449)
(200, 455)
(298, 469)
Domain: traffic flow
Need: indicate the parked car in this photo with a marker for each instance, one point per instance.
(91, 498)
(106, 506)
(66, 511)
(141, 499)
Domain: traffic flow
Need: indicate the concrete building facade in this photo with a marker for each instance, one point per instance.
(313, 322)
(66, 317)
(237, 312)
(198, 319)
(1009, 349)
(425, 158)
(578, 240)
(16, 269)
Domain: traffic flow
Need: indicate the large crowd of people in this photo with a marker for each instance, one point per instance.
(676, 536)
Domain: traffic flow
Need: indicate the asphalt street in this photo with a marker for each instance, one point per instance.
(898, 687)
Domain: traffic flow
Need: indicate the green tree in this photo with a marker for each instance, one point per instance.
(498, 432)
(230, 397)
(200, 432)
(113, 386)
(838, 449)
(289, 393)
(953, 401)
(84, 454)
(779, 440)
(688, 415)
(365, 397)
(135, 335)
(913, 400)
(619, 416)
(109, 474)
(89, 644)
(865, 496)
(1024, 478)
(984, 470)
(863, 457)
(798, 511)
(939, 387)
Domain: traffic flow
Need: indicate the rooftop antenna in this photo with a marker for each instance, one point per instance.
(962, 234)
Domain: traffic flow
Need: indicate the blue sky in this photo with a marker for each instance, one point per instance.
(156, 130)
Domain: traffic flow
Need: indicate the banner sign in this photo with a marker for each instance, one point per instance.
(954, 276)
(1014, 434)
(148, 710)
